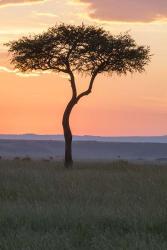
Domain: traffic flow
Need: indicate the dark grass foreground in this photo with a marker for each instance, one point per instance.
(94, 206)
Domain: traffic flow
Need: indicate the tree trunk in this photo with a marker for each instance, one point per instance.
(68, 161)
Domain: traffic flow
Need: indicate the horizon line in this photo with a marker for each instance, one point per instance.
(75, 135)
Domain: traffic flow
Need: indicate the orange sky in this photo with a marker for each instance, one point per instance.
(131, 105)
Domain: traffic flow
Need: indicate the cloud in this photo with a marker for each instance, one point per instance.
(45, 14)
(127, 10)
(16, 72)
(4, 3)
(25, 75)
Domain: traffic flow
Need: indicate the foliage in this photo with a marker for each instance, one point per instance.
(85, 49)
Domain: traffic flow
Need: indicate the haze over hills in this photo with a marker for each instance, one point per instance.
(86, 147)
(137, 139)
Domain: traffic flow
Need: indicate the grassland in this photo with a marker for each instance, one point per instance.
(95, 206)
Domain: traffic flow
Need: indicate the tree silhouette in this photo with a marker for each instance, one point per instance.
(81, 49)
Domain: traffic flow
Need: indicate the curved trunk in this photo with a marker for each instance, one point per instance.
(68, 161)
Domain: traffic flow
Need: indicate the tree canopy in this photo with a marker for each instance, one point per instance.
(84, 49)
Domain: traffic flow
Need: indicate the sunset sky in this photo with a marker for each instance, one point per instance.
(128, 105)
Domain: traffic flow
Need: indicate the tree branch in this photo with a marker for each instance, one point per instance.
(89, 90)
(72, 80)
(54, 67)
(73, 85)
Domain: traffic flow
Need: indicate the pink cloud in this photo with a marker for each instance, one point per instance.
(12, 2)
(128, 10)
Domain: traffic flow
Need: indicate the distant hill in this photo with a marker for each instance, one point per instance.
(137, 139)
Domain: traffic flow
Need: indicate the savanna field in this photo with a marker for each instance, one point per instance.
(96, 206)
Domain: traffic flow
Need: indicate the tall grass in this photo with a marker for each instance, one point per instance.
(96, 206)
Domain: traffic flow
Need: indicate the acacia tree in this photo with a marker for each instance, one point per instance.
(81, 49)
